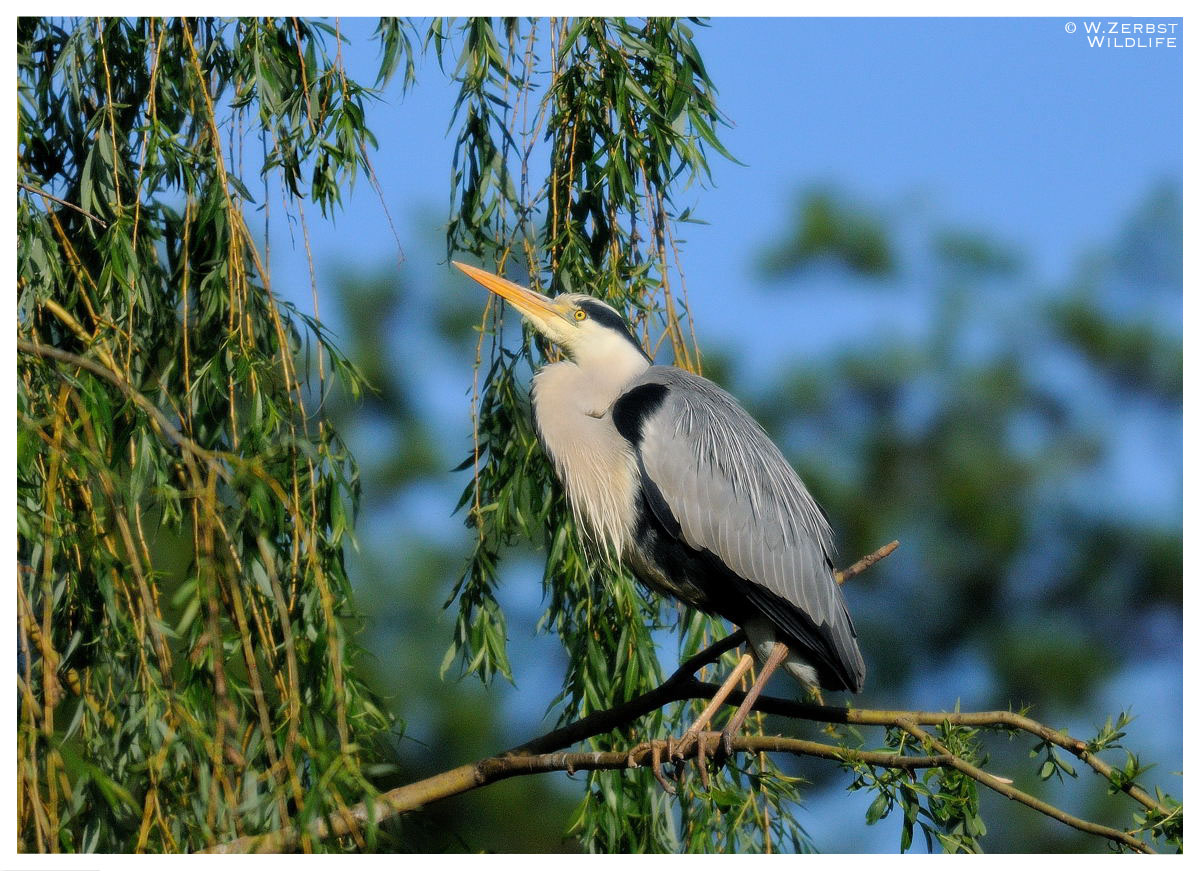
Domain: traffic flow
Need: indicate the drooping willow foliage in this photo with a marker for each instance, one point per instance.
(185, 661)
(576, 141)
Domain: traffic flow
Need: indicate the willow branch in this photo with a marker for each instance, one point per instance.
(1009, 791)
(543, 754)
(501, 767)
(49, 196)
(164, 426)
(978, 719)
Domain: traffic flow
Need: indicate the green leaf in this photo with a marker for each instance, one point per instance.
(878, 809)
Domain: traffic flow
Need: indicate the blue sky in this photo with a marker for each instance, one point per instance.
(1010, 124)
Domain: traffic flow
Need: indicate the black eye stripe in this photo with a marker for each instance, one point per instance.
(605, 316)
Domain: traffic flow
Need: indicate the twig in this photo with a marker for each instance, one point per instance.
(865, 563)
(977, 719)
(41, 193)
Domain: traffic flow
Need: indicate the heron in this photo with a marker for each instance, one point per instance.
(667, 471)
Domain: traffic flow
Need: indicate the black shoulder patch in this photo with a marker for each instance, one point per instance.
(605, 316)
(632, 408)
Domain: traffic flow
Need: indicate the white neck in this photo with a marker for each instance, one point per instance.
(605, 364)
(572, 401)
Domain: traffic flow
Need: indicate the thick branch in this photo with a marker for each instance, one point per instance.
(494, 768)
(676, 688)
(516, 763)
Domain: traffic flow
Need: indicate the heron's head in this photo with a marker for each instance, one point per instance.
(591, 332)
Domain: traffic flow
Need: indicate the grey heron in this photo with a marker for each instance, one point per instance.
(668, 472)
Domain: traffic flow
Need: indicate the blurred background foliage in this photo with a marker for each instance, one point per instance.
(1002, 441)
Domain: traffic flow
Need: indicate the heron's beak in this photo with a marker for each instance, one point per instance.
(533, 305)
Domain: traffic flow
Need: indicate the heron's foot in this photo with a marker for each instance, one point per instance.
(815, 694)
(656, 749)
(705, 744)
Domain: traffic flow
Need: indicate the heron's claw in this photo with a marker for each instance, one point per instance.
(631, 758)
(656, 767)
(702, 755)
(656, 760)
(709, 747)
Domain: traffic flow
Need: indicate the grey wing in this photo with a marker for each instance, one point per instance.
(733, 494)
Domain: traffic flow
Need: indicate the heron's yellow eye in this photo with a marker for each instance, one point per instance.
(580, 314)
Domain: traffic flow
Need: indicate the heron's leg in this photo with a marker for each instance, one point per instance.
(778, 654)
(722, 694)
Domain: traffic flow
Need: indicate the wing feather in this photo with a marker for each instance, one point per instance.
(730, 492)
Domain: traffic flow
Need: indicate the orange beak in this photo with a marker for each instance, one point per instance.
(527, 302)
